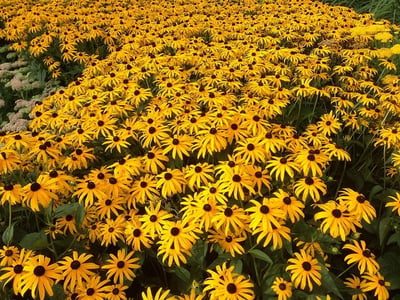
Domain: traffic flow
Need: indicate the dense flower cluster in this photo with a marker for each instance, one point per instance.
(209, 123)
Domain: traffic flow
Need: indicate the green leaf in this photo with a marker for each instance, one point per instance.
(79, 216)
(328, 281)
(8, 234)
(66, 209)
(374, 191)
(384, 228)
(182, 273)
(394, 238)
(238, 265)
(390, 265)
(261, 255)
(34, 241)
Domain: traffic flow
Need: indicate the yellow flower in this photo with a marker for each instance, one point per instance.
(304, 270)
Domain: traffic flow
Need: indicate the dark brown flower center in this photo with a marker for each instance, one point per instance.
(39, 270)
(287, 200)
(18, 269)
(175, 231)
(228, 212)
(367, 253)
(282, 286)
(264, 209)
(361, 199)
(167, 176)
(120, 264)
(35, 187)
(309, 181)
(75, 265)
(336, 213)
(306, 266)
(236, 178)
(137, 232)
(207, 207)
(90, 291)
(231, 288)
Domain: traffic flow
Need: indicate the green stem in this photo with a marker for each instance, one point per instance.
(348, 268)
(9, 223)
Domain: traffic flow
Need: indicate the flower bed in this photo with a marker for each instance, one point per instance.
(203, 150)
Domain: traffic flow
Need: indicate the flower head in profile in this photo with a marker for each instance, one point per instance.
(361, 255)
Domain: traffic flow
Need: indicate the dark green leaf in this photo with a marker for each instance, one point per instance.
(8, 234)
(34, 241)
(328, 282)
(66, 209)
(259, 254)
(182, 273)
(390, 265)
(394, 238)
(238, 265)
(384, 228)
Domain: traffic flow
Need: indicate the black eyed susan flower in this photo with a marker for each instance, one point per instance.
(179, 235)
(230, 242)
(201, 210)
(11, 193)
(155, 219)
(265, 214)
(304, 270)
(136, 236)
(282, 288)
(356, 284)
(8, 255)
(9, 161)
(312, 162)
(154, 160)
(76, 270)
(94, 289)
(279, 167)
(225, 284)
(116, 292)
(251, 150)
(376, 283)
(291, 206)
(112, 231)
(159, 295)
(199, 175)
(361, 255)
(16, 270)
(336, 220)
(67, 223)
(230, 219)
(121, 266)
(276, 235)
(40, 193)
(178, 146)
(237, 182)
(357, 204)
(109, 206)
(394, 203)
(171, 182)
(310, 187)
(40, 277)
(88, 191)
(329, 124)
